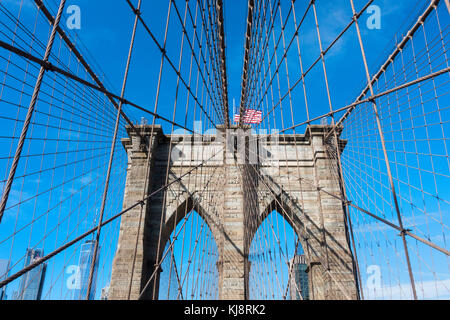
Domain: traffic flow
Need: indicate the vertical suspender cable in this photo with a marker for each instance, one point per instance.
(30, 111)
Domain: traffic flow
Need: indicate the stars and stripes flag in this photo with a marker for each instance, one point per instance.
(250, 116)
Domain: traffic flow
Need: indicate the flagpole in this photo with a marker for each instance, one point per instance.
(234, 109)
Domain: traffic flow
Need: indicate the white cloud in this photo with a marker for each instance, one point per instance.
(86, 180)
(439, 289)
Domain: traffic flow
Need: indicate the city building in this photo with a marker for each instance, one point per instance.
(32, 282)
(3, 276)
(299, 278)
(104, 295)
(84, 265)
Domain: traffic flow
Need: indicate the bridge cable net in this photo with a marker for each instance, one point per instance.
(389, 145)
(65, 167)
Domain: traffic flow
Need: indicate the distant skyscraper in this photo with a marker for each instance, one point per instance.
(3, 276)
(299, 278)
(84, 264)
(32, 282)
(104, 295)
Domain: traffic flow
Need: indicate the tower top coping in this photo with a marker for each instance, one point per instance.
(315, 130)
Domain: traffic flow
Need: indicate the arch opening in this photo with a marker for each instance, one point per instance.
(190, 255)
(278, 265)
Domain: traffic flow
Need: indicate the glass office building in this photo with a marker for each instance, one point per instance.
(3, 276)
(32, 282)
(299, 278)
(84, 267)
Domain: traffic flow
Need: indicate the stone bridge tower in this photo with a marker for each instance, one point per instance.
(244, 192)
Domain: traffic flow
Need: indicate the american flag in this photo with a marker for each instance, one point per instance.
(250, 116)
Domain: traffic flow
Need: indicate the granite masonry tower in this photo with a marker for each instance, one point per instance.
(283, 176)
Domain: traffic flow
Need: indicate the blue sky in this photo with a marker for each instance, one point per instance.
(106, 29)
